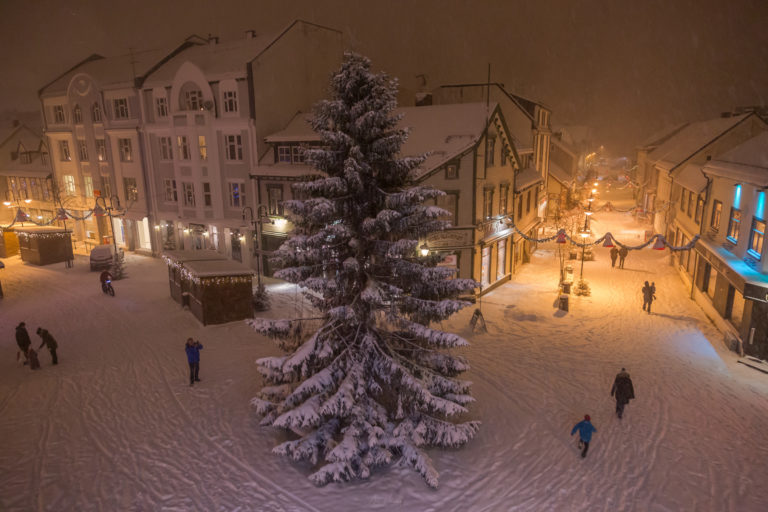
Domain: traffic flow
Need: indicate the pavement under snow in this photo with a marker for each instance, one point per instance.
(116, 427)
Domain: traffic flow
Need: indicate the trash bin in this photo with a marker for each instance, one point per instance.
(563, 302)
(566, 287)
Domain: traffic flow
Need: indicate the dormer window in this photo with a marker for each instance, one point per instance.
(230, 101)
(193, 100)
(284, 154)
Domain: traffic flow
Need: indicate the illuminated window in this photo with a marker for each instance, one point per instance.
(203, 147)
(88, 182)
(717, 211)
(487, 203)
(236, 194)
(734, 225)
(503, 195)
(451, 172)
(756, 239)
(275, 199)
(131, 189)
(69, 184)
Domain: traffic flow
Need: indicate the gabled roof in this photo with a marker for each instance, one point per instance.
(660, 136)
(746, 162)
(691, 139)
(122, 70)
(443, 131)
(32, 141)
(221, 60)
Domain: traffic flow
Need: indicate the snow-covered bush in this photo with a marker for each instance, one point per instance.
(374, 384)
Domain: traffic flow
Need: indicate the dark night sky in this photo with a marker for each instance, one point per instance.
(625, 68)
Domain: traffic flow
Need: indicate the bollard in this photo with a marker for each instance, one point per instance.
(563, 302)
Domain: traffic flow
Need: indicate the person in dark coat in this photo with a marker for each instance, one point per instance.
(585, 429)
(23, 341)
(649, 293)
(622, 254)
(193, 349)
(50, 342)
(614, 255)
(623, 391)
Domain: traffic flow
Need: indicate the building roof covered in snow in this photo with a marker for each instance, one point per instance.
(558, 173)
(215, 268)
(23, 140)
(660, 136)
(690, 177)
(189, 255)
(746, 162)
(691, 139)
(441, 131)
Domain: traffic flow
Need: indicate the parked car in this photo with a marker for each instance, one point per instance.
(103, 256)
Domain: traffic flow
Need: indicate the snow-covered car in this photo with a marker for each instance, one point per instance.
(102, 256)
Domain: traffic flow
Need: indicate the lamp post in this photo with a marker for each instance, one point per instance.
(256, 220)
(99, 212)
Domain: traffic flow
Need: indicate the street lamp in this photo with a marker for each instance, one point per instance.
(256, 221)
(99, 211)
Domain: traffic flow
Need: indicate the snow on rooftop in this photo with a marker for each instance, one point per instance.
(692, 138)
(211, 268)
(189, 255)
(751, 157)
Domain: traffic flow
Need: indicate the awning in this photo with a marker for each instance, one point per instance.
(527, 178)
(692, 178)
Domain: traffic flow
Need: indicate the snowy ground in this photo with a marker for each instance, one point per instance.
(115, 426)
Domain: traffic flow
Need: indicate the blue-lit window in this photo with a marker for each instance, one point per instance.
(737, 197)
(734, 225)
(756, 240)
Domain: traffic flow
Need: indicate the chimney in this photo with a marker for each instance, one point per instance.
(250, 34)
(423, 99)
(213, 40)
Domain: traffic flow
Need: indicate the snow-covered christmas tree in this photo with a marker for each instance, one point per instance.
(376, 383)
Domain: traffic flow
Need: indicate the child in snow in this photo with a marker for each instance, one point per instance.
(585, 429)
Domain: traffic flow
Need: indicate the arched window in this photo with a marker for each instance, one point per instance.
(96, 113)
(77, 115)
(190, 97)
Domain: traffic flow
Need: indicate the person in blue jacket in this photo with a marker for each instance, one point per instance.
(585, 429)
(193, 349)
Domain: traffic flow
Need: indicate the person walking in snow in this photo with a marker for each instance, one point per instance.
(623, 391)
(193, 349)
(585, 429)
(50, 342)
(23, 341)
(614, 255)
(649, 293)
(622, 254)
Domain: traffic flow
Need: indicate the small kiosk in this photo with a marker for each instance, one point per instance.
(43, 245)
(9, 243)
(220, 290)
(176, 261)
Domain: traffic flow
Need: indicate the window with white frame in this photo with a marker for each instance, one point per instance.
(181, 141)
(734, 225)
(64, 154)
(171, 195)
(106, 186)
(96, 113)
(161, 107)
(757, 237)
(233, 147)
(82, 150)
(69, 184)
(491, 150)
(284, 154)
(236, 194)
(101, 150)
(166, 149)
(125, 150)
(77, 115)
(230, 101)
(487, 203)
(131, 189)
(88, 185)
(275, 199)
(58, 114)
(188, 190)
(503, 195)
(207, 197)
(203, 147)
(193, 99)
(699, 209)
(121, 108)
